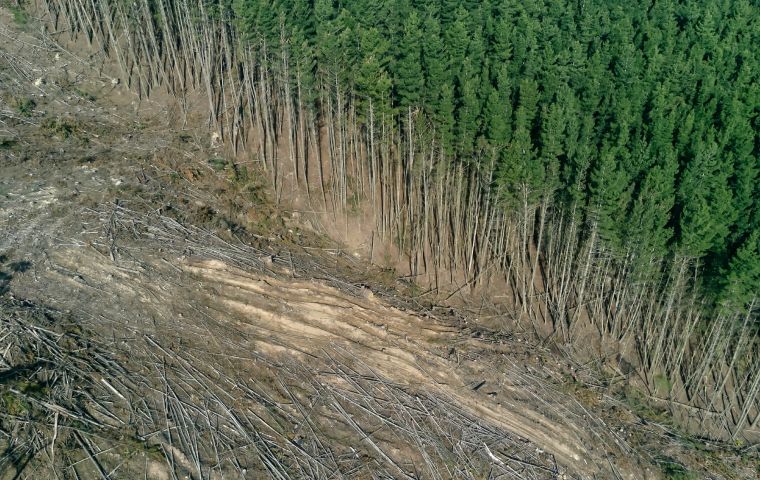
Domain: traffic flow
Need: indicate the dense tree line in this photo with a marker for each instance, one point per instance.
(602, 157)
(643, 116)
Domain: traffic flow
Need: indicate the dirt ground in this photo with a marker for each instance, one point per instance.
(162, 319)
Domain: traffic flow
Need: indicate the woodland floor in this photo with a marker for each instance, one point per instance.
(159, 318)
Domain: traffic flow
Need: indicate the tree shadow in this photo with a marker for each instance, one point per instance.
(20, 267)
(8, 269)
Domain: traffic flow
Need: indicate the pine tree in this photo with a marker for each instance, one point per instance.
(609, 196)
(705, 201)
(646, 225)
(468, 110)
(408, 70)
(445, 118)
(739, 145)
(456, 40)
(373, 83)
(521, 172)
(498, 110)
(552, 148)
(501, 44)
(435, 65)
(741, 284)
(327, 32)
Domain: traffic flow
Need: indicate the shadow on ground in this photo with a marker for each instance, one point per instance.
(8, 269)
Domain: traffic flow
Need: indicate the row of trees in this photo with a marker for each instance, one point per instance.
(602, 157)
(645, 117)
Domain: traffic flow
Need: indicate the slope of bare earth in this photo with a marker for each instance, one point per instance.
(158, 319)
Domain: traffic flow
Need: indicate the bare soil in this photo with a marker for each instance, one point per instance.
(160, 318)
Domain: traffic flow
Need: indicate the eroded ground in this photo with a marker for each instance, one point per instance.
(152, 327)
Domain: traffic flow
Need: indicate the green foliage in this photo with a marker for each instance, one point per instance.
(644, 121)
(59, 127)
(25, 105)
(84, 95)
(498, 110)
(217, 163)
(373, 83)
(662, 385)
(610, 194)
(409, 79)
(643, 406)
(646, 224)
(706, 199)
(672, 470)
(14, 405)
(741, 280)
(20, 16)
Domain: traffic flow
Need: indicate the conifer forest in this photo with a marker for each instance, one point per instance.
(595, 161)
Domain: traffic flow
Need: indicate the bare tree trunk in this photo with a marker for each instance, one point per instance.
(543, 208)
(584, 277)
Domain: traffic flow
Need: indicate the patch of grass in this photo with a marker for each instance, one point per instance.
(25, 106)
(73, 329)
(34, 389)
(585, 395)
(84, 95)
(672, 470)
(240, 176)
(14, 405)
(20, 16)
(133, 446)
(644, 408)
(256, 193)
(59, 127)
(662, 384)
(154, 452)
(217, 163)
